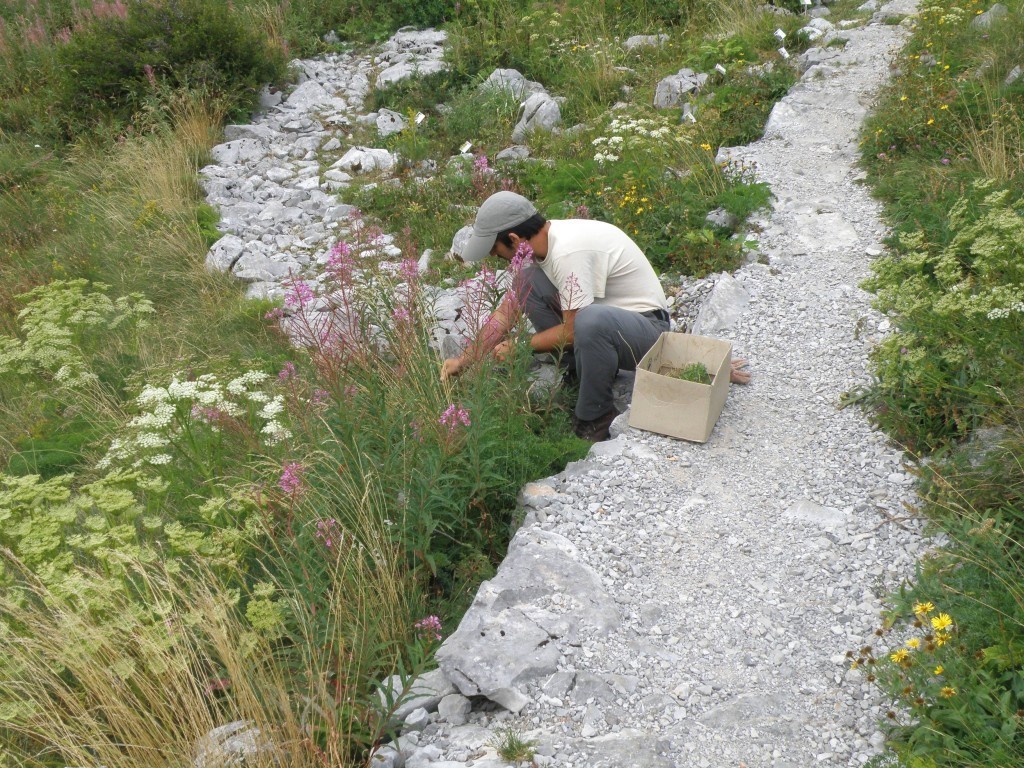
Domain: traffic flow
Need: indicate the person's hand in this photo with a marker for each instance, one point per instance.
(736, 374)
(502, 351)
(451, 368)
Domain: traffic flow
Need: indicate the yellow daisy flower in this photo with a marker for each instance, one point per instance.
(923, 608)
(947, 692)
(900, 655)
(941, 621)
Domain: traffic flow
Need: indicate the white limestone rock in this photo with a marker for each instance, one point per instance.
(365, 160)
(390, 122)
(672, 90)
(512, 81)
(726, 304)
(540, 113)
(642, 41)
(224, 253)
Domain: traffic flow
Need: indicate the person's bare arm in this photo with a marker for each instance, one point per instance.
(558, 337)
(490, 336)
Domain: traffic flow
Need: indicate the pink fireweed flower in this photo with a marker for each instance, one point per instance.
(401, 315)
(508, 185)
(453, 416)
(320, 397)
(297, 294)
(329, 532)
(522, 258)
(409, 270)
(291, 481)
(428, 628)
(582, 212)
(340, 261)
(480, 164)
(287, 372)
(275, 314)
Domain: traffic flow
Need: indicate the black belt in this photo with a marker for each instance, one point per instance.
(657, 314)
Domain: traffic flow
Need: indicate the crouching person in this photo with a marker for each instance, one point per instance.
(590, 293)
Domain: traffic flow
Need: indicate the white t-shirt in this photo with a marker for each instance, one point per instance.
(592, 262)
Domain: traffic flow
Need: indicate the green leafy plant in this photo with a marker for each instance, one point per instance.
(117, 60)
(512, 747)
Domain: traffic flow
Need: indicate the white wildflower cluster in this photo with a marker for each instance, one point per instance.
(638, 133)
(1001, 313)
(61, 323)
(170, 415)
(944, 15)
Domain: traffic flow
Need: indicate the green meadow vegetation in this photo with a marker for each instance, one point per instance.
(944, 150)
(201, 523)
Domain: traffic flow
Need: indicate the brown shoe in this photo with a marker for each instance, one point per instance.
(594, 430)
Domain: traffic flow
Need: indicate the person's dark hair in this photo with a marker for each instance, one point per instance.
(526, 230)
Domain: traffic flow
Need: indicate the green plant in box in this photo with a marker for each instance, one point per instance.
(695, 372)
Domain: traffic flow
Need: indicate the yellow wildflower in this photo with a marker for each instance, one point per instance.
(706, 147)
(903, 98)
(913, 643)
(923, 608)
(947, 692)
(930, 121)
(900, 655)
(939, 670)
(941, 639)
(944, 106)
(941, 621)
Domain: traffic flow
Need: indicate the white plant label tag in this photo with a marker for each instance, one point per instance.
(720, 69)
(780, 34)
(465, 148)
(420, 117)
(783, 53)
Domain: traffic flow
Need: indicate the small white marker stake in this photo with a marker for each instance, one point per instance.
(691, 117)
(783, 53)
(420, 117)
(780, 34)
(720, 69)
(465, 148)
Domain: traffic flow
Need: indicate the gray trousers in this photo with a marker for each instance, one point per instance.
(606, 340)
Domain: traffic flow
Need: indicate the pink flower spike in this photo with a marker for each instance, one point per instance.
(410, 270)
(428, 628)
(287, 372)
(522, 258)
(298, 293)
(291, 481)
(453, 416)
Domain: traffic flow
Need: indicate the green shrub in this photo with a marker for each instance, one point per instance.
(115, 64)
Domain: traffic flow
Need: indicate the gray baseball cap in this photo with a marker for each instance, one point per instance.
(500, 211)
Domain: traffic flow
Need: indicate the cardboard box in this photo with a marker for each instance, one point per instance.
(672, 406)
